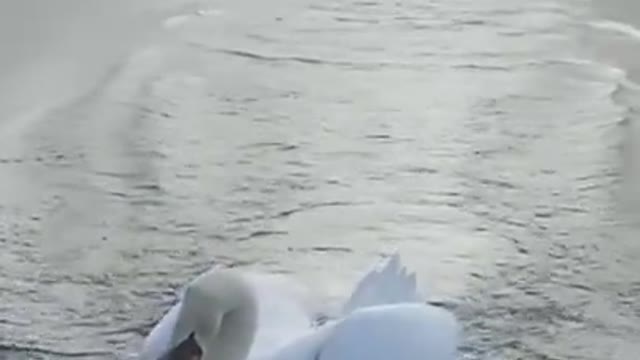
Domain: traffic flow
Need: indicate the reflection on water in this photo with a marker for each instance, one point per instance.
(309, 138)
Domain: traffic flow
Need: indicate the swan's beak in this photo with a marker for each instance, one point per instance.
(189, 349)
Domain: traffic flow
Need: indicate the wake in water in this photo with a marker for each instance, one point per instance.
(53, 51)
(618, 27)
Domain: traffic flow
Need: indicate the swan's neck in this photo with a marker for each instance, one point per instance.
(228, 322)
(234, 338)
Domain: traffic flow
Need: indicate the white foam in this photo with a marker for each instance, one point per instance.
(618, 27)
(177, 20)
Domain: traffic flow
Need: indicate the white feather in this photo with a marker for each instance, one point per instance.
(383, 319)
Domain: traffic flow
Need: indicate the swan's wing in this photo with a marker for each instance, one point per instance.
(398, 331)
(388, 282)
(305, 346)
(285, 310)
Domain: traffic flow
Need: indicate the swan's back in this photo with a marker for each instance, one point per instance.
(384, 332)
(284, 312)
(396, 331)
(384, 319)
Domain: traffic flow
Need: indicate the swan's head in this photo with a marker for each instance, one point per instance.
(216, 321)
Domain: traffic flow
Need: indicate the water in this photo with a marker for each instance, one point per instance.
(490, 141)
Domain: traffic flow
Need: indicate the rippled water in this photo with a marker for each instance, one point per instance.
(489, 140)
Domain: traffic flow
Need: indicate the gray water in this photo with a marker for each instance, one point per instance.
(490, 141)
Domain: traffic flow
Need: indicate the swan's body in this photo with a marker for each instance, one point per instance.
(225, 315)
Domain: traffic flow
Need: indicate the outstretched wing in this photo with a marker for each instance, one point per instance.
(388, 282)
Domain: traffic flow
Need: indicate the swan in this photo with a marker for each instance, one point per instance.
(224, 314)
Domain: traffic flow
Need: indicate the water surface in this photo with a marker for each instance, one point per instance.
(483, 139)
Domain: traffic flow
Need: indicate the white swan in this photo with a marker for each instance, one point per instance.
(228, 315)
